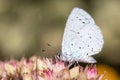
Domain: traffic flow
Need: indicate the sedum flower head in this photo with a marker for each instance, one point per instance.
(45, 69)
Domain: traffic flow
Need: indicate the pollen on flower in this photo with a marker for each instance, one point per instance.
(36, 68)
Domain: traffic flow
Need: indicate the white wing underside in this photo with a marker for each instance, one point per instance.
(82, 38)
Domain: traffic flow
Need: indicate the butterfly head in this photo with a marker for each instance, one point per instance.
(59, 56)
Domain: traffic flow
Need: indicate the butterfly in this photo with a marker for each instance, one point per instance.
(82, 38)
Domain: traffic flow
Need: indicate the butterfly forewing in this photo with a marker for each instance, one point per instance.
(82, 38)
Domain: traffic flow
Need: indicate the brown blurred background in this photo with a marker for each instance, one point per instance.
(26, 26)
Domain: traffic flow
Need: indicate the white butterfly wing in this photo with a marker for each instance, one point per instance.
(82, 38)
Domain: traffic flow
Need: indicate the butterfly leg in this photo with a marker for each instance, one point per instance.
(72, 64)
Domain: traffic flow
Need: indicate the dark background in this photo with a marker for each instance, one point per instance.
(26, 26)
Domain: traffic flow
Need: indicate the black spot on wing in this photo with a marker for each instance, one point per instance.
(76, 16)
(80, 36)
(92, 49)
(78, 32)
(79, 47)
(72, 44)
(86, 18)
(71, 19)
(87, 54)
(83, 22)
(88, 46)
(89, 37)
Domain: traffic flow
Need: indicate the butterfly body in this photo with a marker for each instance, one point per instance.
(82, 38)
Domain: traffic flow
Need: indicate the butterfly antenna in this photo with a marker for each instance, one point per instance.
(52, 47)
(42, 50)
(56, 56)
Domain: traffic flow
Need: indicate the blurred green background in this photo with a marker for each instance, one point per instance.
(26, 26)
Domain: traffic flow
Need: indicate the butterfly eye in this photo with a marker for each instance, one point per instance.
(59, 56)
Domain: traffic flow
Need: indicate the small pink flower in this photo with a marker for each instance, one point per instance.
(41, 65)
(58, 66)
(91, 72)
(10, 69)
(48, 74)
(36, 68)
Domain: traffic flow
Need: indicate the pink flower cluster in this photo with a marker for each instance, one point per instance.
(45, 69)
